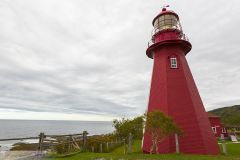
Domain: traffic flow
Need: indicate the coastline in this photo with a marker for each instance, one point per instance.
(8, 145)
(7, 153)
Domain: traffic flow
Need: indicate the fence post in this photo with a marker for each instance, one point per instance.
(40, 143)
(130, 141)
(124, 147)
(101, 148)
(107, 146)
(84, 139)
(223, 145)
(70, 144)
(177, 143)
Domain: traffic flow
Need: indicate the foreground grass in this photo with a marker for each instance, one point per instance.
(134, 156)
(233, 150)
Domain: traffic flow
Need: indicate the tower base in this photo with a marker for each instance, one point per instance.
(173, 92)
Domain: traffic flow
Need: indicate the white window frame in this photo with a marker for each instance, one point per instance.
(214, 129)
(173, 62)
(224, 130)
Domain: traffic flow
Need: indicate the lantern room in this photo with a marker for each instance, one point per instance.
(166, 20)
(167, 27)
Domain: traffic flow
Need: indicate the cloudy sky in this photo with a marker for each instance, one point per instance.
(85, 60)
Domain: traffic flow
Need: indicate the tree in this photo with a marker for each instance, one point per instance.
(159, 126)
(125, 126)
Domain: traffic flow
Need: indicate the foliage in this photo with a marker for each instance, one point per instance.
(125, 126)
(229, 115)
(159, 126)
(93, 143)
(61, 148)
(108, 142)
(136, 148)
(65, 145)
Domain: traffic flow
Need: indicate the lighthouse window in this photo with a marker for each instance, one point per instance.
(173, 62)
(167, 21)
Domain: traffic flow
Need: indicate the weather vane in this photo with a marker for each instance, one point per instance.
(165, 6)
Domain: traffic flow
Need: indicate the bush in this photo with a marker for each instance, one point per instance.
(61, 148)
(97, 140)
(125, 126)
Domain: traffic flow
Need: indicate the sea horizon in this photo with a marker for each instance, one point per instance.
(12, 128)
(26, 128)
(57, 120)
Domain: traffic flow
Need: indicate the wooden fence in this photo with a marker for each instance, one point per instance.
(74, 142)
(45, 142)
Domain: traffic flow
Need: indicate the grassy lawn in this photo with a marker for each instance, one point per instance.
(233, 150)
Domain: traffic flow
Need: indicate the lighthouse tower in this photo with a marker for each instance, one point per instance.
(173, 90)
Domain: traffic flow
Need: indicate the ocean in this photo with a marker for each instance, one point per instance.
(32, 128)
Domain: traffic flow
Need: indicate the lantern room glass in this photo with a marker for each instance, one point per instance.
(167, 21)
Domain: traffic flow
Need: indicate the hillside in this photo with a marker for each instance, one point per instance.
(229, 115)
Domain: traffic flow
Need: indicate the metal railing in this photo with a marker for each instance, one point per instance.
(181, 36)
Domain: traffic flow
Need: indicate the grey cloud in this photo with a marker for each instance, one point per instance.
(89, 57)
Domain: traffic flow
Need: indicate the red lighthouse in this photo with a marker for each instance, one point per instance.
(173, 90)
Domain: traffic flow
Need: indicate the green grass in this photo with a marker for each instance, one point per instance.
(232, 149)
(117, 154)
(136, 148)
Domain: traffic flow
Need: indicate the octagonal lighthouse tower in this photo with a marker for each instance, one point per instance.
(173, 90)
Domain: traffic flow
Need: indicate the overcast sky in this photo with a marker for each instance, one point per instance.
(85, 59)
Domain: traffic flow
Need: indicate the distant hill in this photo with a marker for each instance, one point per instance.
(229, 115)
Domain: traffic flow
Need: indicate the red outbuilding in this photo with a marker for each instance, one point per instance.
(217, 127)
